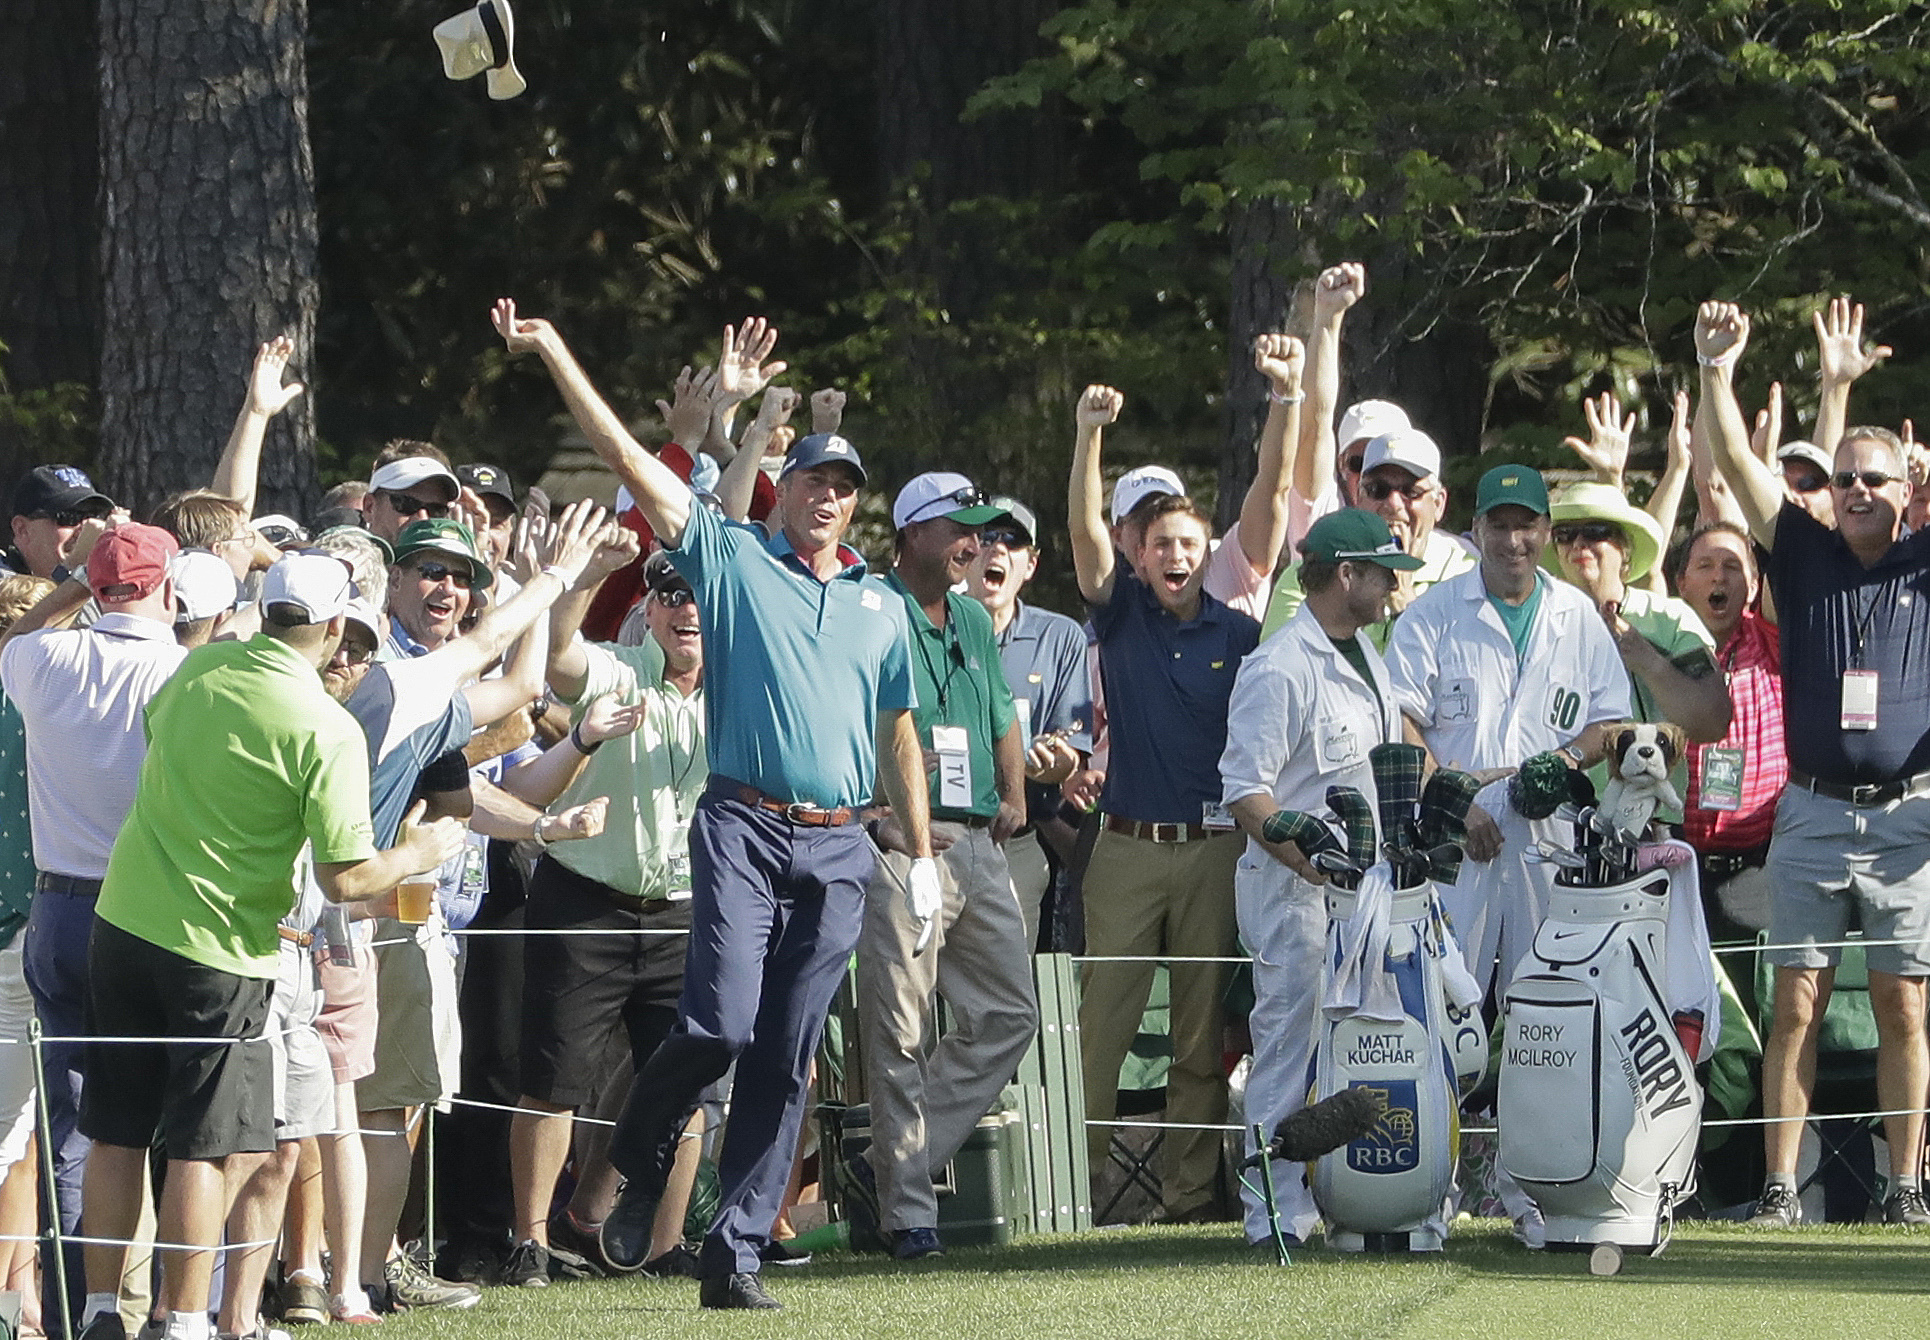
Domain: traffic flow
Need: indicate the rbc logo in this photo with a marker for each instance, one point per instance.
(1394, 1145)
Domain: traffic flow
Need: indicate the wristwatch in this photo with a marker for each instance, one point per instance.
(1572, 754)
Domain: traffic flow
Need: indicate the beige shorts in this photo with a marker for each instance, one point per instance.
(418, 1039)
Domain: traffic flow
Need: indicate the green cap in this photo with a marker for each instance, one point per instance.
(1521, 485)
(442, 535)
(1356, 536)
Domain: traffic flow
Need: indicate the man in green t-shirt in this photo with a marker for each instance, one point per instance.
(247, 758)
(973, 948)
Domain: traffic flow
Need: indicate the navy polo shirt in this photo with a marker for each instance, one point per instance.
(1044, 655)
(796, 670)
(1836, 616)
(1167, 684)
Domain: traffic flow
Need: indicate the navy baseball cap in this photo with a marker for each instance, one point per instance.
(819, 448)
(58, 488)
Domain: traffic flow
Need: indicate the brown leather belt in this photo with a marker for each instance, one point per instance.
(301, 939)
(1145, 832)
(798, 813)
(1879, 793)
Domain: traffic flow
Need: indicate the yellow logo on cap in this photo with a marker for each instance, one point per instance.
(1510, 480)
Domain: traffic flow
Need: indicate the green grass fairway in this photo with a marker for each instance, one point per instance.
(1715, 1282)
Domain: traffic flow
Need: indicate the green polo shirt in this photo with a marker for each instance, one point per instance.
(960, 682)
(653, 776)
(247, 758)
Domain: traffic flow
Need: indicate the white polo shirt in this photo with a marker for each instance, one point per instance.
(82, 693)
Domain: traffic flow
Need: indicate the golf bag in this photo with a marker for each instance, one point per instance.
(1599, 1109)
(1400, 1017)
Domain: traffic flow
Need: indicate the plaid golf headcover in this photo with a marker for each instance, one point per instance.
(1302, 829)
(1445, 801)
(1398, 769)
(1357, 822)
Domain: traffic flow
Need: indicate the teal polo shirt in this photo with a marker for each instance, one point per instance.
(960, 683)
(796, 670)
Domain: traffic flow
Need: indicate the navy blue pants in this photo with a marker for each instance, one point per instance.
(54, 955)
(774, 918)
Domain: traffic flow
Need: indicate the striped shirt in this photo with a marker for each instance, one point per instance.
(1752, 659)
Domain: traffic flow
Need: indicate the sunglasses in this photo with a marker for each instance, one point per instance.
(1009, 536)
(676, 597)
(355, 653)
(406, 504)
(1872, 479)
(1588, 532)
(970, 496)
(1808, 483)
(67, 518)
(1380, 490)
(1352, 464)
(435, 572)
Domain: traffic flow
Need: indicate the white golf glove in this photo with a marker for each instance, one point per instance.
(924, 899)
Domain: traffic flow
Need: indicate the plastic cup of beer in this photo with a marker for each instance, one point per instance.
(413, 899)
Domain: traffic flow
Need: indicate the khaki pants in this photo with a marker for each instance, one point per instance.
(923, 1107)
(1155, 898)
(1031, 877)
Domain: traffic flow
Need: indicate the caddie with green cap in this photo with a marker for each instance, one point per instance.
(433, 584)
(446, 536)
(1491, 668)
(1307, 708)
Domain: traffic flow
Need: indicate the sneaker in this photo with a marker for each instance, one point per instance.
(679, 1263)
(1531, 1230)
(410, 1286)
(573, 1241)
(1905, 1206)
(780, 1253)
(916, 1244)
(742, 1290)
(1778, 1207)
(303, 1303)
(528, 1266)
(625, 1235)
(360, 1313)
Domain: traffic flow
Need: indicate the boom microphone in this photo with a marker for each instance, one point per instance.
(1322, 1127)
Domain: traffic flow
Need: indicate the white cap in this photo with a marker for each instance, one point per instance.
(1135, 486)
(1369, 418)
(937, 495)
(359, 610)
(403, 475)
(204, 585)
(1806, 451)
(317, 583)
(1409, 448)
(482, 38)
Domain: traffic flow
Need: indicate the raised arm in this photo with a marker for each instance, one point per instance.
(1338, 288)
(827, 410)
(1263, 513)
(564, 554)
(738, 482)
(1665, 504)
(1721, 333)
(237, 472)
(1840, 360)
(617, 548)
(1091, 541)
(663, 498)
(741, 373)
(1606, 451)
(540, 780)
(1768, 433)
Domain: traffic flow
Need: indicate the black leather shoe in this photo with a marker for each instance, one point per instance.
(742, 1290)
(625, 1235)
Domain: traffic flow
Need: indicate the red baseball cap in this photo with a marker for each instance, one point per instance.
(130, 561)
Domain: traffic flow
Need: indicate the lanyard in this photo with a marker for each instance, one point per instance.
(954, 656)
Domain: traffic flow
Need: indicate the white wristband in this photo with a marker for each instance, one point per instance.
(1279, 399)
(1721, 360)
(561, 573)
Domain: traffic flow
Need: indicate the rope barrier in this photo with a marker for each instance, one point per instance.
(532, 1111)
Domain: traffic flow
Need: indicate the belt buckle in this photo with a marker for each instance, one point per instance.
(1867, 795)
(1169, 833)
(797, 810)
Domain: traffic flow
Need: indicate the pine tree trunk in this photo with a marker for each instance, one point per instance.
(1264, 240)
(49, 294)
(207, 238)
